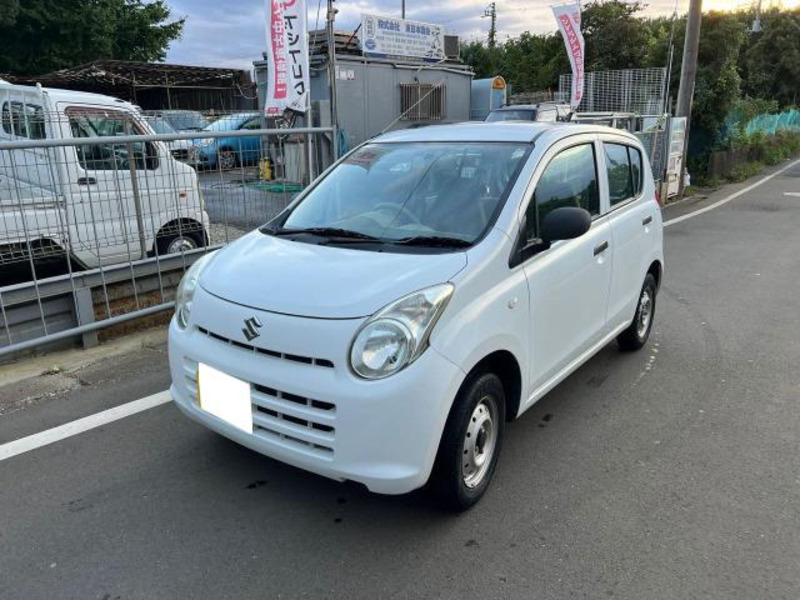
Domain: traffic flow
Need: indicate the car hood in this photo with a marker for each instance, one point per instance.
(328, 282)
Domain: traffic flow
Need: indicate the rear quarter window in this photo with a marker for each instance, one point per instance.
(23, 120)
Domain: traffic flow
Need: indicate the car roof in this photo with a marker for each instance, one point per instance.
(239, 115)
(176, 111)
(60, 95)
(542, 104)
(496, 131)
(517, 107)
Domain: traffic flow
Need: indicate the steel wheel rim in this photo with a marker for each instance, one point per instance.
(480, 442)
(181, 244)
(645, 313)
(227, 160)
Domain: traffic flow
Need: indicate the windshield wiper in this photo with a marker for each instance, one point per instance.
(329, 232)
(434, 241)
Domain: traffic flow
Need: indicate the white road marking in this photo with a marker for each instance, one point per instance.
(733, 196)
(796, 194)
(61, 432)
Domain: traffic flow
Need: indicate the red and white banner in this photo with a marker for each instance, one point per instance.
(569, 22)
(288, 84)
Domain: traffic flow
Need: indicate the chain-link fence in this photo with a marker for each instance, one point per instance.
(99, 217)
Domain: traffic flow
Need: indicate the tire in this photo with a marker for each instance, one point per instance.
(183, 241)
(226, 159)
(459, 477)
(638, 332)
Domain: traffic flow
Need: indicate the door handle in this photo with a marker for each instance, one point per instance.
(647, 220)
(87, 181)
(601, 248)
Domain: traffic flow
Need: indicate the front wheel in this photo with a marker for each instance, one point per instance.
(470, 444)
(176, 242)
(637, 333)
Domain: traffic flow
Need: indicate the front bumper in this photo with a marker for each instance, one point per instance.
(308, 409)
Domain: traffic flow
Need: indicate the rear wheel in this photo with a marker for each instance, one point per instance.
(226, 158)
(471, 443)
(637, 334)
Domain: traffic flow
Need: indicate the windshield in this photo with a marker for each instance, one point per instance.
(511, 115)
(413, 190)
(189, 120)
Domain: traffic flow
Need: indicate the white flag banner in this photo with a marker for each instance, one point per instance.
(569, 22)
(287, 57)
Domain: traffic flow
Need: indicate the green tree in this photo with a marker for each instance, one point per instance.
(45, 35)
(740, 74)
(771, 62)
(615, 37)
(718, 84)
(8, 11)
(476, 55)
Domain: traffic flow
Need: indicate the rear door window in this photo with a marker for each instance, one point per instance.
(624, 170)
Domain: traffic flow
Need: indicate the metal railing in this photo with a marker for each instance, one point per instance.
(98, 229)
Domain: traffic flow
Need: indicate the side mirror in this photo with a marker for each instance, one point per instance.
(565, 223)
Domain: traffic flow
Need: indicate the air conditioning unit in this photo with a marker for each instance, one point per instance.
(452, 47)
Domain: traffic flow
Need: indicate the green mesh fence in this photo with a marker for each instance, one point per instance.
(788, 120)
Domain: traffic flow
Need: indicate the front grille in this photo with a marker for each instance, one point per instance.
(302, 424)
(308, 360)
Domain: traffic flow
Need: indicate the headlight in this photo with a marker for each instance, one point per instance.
(186, 290)
(398, 334)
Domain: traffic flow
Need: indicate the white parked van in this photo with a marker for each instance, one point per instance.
(83, 199)
(432, 285)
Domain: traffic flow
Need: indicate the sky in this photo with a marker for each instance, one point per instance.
(230, 33)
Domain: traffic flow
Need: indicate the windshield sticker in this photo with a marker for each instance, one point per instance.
(367, 157)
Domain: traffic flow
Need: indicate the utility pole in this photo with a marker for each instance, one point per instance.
(691, 44)
(756, 27)
(491, 12)
(403, 9)
(332, 79)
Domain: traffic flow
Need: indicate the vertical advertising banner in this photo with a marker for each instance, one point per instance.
(287, 57)
(569, 23)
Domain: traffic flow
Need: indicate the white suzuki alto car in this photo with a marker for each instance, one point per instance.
(430, 286)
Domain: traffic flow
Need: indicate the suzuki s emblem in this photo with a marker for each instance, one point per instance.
(251, 327)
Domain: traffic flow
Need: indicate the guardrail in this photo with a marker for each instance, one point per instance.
(96, 230)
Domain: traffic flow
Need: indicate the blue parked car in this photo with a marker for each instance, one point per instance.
(228, 152)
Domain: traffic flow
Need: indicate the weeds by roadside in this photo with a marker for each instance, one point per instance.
(747, 157)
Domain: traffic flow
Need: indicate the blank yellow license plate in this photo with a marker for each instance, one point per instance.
(224, 397)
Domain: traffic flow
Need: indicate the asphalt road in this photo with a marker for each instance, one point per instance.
(670, 473)
(237, 198)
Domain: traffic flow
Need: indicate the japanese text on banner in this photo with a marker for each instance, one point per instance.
(568, 17)
(287, 57)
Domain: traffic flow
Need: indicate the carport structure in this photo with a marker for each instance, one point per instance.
(157, 86)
